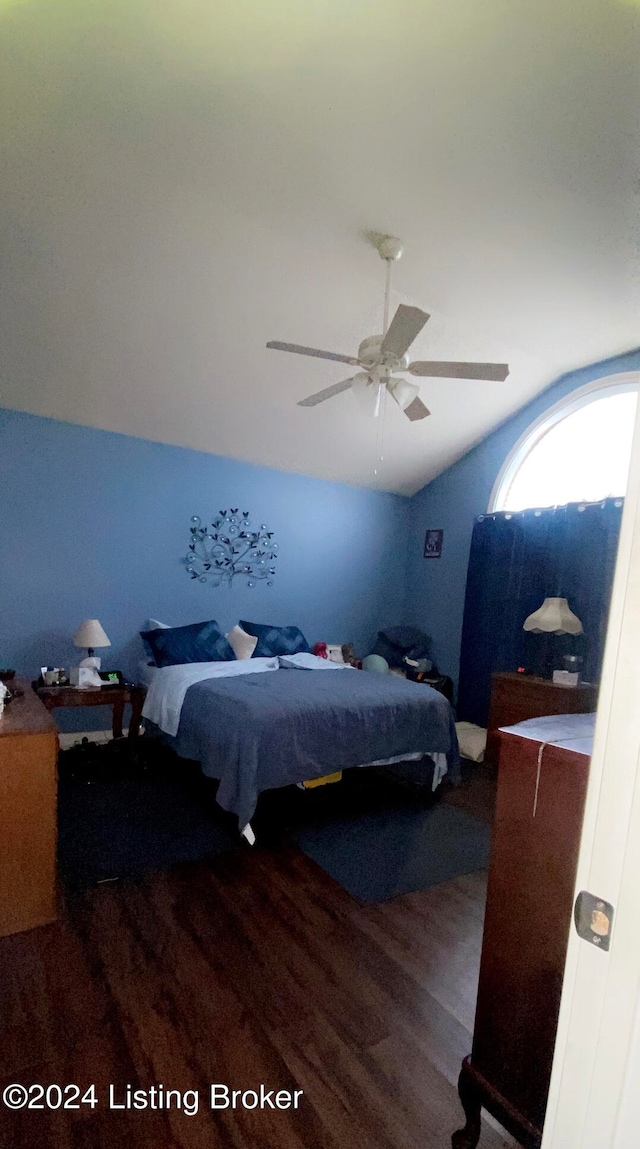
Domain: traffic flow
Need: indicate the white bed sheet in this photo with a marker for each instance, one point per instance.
(169, 685)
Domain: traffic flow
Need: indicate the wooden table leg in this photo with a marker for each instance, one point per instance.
(137, 702)
(471, 1100)
(118, 712)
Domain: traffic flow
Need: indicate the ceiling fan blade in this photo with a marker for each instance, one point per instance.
(298, 350)
(406, 324)
(494, 371)
(328, 393)
(416, 410)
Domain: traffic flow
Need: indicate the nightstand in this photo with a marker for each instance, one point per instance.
(515, 697)
(115, 696)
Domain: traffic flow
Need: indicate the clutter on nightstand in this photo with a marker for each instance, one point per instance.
(400, 642)
(566, 678)
(84, 676)
(6, 694)
(53, 676)
(418, 665)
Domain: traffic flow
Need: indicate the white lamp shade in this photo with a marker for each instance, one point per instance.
(90, 634)
(366, 393)
(403, 392)
(553, 617)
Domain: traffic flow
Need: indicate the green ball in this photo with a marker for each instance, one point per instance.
(376, 663)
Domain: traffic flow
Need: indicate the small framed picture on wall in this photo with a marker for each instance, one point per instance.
(433, 544)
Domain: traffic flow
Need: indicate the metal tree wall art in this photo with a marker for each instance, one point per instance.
(217, 554)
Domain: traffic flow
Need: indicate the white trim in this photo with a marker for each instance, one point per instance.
(592, 1097)
(573, 401)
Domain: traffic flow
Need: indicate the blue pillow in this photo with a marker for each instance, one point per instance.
(276, 639)
(200, 642)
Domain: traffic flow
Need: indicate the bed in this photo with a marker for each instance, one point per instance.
(262, 723)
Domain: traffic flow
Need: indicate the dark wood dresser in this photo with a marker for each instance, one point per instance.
(542, 783)
(28, 785)
(515, 697)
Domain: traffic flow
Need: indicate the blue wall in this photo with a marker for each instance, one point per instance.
(93, 525)
(436, 587)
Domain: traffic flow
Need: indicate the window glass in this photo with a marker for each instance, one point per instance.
(582, 458)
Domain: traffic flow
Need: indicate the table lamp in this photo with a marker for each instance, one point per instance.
(90, 634)
(555, 617)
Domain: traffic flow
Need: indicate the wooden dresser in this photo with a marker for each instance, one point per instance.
(542, 783)
(28, 756)
(515, 697)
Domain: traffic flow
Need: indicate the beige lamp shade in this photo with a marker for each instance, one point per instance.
(90, 634)
(553, 617)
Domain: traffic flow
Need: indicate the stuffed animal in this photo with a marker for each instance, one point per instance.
(348, 654)
(344, 652)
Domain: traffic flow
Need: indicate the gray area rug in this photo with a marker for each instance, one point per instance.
(380, 855)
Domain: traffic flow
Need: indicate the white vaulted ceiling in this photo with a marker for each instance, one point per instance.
(183, 181)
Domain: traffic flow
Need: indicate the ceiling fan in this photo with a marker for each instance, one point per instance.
(380, 356)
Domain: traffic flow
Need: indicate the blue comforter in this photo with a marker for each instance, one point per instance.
(260, 731)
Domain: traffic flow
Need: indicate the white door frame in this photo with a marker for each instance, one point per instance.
(596, 1069)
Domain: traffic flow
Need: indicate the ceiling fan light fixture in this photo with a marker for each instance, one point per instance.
(382, 355)
(366, 392)
(403, 392)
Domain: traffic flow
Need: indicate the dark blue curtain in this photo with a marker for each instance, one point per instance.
(517, 560)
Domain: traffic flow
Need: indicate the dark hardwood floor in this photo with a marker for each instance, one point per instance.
(252, 968)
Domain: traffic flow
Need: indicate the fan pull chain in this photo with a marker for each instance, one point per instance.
(381, 429)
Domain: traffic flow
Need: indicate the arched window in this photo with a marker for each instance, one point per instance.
(578, 451)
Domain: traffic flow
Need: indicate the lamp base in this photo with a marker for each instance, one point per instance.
(93, 661)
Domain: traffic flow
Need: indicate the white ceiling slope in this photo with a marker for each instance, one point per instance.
(184, 181)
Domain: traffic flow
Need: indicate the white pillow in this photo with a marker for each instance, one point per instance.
(472, 740)
(153, 624)
(241, 643)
